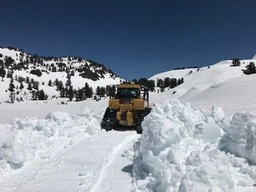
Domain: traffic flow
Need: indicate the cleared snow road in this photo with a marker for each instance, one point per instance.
(99, 163)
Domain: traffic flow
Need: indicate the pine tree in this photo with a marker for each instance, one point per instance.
(98, 90)
(41, 95)
(235, 62)
(151, 85)
(111, 90)
(21, 86)
(34, 95)
(27, 80)
(68, 82)
(86, 89)
(70, 93)
(36, 85)
(250, 69)
(29, 86)
(2, 73)
(89, 93)
(167, 82)
(12, 91)
(80, 94)
(60, 86)
(102, 91)
(62, 92)
(173, 83)
(56, 82)
(9, 74)
(160, 83)
(8, 61)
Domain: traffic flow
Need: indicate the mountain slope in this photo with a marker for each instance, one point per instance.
(22, 60)
(24, 67)
(208, 85)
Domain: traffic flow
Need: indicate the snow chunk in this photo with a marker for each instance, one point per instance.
(240, 136)
(178, 151)
(29, 139)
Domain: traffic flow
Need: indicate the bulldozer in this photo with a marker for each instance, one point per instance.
(127, 108)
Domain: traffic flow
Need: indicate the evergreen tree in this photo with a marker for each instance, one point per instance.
(50, 83)
(68, 82)
(143, 81)
(235, 62)
(89, 93)
(76, 95)
(2, 73)
(54, 69)
(41, 95)
(66, 92)
(56, 82)
(160, 83)
(102, 91)
(173, 83)
(167, 82)
(250, 69)
(111, 90)
(98, 90)
(70, 93)
(62, 92)
(34, 95)
(9, 74)
(12, 91)
(87, 90)
(20, 79)
(27, 80)
(180, 81)
(36, 85)
(29, 86)
(60, 86)
(80, 95)
(21, 86)
(151, 85)
(8, 61)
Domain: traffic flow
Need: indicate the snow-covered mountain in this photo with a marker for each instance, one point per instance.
(220, 84)
(199, 136)
(87, 69)
(23, 65)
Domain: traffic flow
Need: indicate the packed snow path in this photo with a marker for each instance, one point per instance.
(100, 163)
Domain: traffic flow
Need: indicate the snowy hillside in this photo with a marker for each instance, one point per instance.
(46, 71)
(219, 84)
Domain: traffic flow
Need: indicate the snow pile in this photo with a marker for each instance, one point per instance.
(240, 137)
(178, 151)
(30, 139)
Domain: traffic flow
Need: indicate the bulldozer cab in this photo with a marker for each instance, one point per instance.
(132, 91)
(123, 93)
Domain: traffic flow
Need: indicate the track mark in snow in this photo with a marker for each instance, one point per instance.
(81, 167)
(116, 168)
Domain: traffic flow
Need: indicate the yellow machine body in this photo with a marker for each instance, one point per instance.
(128, 106)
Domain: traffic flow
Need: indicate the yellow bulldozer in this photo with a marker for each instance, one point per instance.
(127, 108)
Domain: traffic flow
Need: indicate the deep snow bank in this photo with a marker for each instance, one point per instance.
(178, 151)
(240, 136)
(30, 139)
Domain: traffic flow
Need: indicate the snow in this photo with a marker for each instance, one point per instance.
(240, 136)
(202, 138)
(182, 149)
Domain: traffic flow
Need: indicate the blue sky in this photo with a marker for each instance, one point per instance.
(134, 38)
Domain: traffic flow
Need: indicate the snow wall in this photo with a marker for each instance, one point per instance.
(185, 149)
(29, 139)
